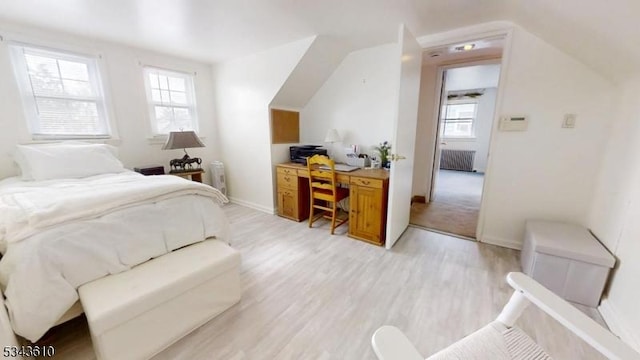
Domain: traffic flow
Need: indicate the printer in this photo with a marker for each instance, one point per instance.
(300, 153)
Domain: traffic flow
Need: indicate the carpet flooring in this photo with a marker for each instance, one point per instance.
(455, 205)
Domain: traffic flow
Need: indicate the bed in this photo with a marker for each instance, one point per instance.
(62, 229)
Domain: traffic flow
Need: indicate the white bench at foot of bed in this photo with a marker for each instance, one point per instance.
(7, 337)
(140, 312)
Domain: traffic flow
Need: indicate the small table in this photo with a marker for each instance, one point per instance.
(193, 175)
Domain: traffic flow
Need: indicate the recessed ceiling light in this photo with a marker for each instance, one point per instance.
(435, 54)
(465, 47)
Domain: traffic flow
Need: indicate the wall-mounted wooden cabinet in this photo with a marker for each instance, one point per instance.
(285, 126)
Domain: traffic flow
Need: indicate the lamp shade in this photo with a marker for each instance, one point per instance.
(332, 136)
(182, 140)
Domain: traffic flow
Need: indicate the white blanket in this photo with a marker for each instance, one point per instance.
(60, 234)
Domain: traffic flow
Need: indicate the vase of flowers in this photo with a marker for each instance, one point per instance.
(383, 150)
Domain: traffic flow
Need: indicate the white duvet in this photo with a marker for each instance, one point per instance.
(57, 235)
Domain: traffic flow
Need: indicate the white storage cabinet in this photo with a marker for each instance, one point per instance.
(567, 259)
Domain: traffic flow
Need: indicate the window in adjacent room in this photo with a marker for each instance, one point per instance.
(62, 93)
(171, 98)
(459, 120)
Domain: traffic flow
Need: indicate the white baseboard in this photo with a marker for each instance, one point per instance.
(253, 205)
(511, 244)
(617, 325)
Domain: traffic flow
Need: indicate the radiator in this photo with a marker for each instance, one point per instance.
(457, 159)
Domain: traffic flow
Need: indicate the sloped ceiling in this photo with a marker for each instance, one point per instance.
(317, 64)
(603, 34)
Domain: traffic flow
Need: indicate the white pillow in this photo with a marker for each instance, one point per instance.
(66, 160)
(23, 163)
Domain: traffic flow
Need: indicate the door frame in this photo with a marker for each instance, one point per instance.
(439, 103)
(468, 35)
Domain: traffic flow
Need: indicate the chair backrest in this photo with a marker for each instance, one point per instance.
(566, 314)
(322, 179)
(389, 343)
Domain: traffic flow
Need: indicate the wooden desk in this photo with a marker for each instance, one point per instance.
(368, 193)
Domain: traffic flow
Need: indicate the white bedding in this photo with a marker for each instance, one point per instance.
(60, 234)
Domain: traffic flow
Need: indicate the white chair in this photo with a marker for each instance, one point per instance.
(502, 340)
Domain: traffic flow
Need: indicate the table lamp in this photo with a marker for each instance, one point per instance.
(332, 137)
(183, 140)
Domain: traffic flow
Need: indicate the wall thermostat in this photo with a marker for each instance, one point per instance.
(514, 123)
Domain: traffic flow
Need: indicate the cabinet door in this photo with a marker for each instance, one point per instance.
(288, 203)
(365, 218)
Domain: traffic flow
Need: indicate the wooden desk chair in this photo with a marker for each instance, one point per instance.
(323, 186)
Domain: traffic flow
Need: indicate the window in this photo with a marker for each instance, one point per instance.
(62, 93)
(172, 103)
(459, 120)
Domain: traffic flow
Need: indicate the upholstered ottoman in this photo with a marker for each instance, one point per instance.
(567, 260)
(140, 312)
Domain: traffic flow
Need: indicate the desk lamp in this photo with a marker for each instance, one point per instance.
(183, 140)
(332, 137)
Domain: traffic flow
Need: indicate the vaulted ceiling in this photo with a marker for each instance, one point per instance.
(603, 34)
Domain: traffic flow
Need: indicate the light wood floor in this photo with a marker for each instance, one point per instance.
(310, 295)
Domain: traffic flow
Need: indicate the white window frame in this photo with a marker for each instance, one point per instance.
(189, 92)
(473, 119)
(18, 51)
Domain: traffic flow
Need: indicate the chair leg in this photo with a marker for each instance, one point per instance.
(333, 217)
(311, 214)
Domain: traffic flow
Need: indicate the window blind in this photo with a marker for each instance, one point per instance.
(171, 99)
(62, 93)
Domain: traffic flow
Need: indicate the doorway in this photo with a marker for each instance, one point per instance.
(464, 113)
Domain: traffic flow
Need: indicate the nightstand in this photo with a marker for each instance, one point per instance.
(150, 170)
(193, 175)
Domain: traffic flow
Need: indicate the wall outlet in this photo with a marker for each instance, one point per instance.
(569, 121)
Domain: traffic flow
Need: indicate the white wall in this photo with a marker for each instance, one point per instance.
(316, 66)
(615, 210)
(124, 83)
(358, 100)
(473, 77)
(546, 172)
(244, 88)
(480, 144)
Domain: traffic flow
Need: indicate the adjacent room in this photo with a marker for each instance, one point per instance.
(319, 180)
(466, 113)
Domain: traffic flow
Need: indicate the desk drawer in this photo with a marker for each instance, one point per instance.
(360, 181)
(341, 178)
(286, 171)
(288, 181)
